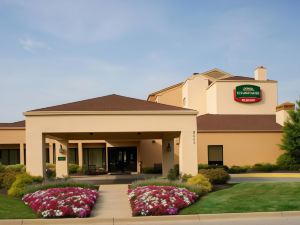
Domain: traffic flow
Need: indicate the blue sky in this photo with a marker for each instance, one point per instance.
(57, 51)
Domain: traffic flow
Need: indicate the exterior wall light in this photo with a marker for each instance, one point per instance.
(61, 150)
(168, 147)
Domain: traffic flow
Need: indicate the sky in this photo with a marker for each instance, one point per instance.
(59, 51)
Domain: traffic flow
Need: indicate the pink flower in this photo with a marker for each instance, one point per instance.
(159, 200)
(62, 202)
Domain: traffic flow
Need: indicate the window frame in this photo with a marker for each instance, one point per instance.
(208, 155)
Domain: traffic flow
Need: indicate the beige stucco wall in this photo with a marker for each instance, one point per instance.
(183, 122)
(241, 148)
(221, 93)
(12, 136)
(194, 93)
(282, 116)
(151, 152)
(211, 96)
(172, 96)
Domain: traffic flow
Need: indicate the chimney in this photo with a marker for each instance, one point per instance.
(260, 73)
(282, 114)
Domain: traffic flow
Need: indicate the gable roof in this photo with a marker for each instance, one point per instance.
(212, 75)
(165, 89)
(229, 123)
(215, 74)
(19, 124)
(110, 103)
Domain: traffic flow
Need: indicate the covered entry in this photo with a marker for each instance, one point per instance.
(112, 117)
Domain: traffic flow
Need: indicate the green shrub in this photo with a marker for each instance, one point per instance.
(19, 185)
(206, 166)
(73, 168)
(16, 168)
(50, 170)
(8, 178)
(56, 184)
(173, 173)
(285, 161)
(216, 176)
(238, 169)
(161, 182)
(295, 167)
(201, 181)
(152, 170)
(2, 168)
(185, 177)
(50, 166)
(264, 167)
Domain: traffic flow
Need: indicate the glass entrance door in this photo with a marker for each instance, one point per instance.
(122, 159)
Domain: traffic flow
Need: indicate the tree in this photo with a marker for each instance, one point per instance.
(291, 135)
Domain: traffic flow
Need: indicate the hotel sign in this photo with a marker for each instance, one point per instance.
(247, 93)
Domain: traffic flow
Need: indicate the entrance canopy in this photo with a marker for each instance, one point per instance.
(110, 117)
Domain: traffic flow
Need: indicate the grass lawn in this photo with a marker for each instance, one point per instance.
(14, 208)
(249, 197)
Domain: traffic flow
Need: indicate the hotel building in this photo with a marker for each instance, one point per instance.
(210, 118)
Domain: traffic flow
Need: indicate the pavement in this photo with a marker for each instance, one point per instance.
(113, 202)
(264, 177)
(271, 218)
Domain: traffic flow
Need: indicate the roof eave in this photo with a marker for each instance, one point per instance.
(144, 112)
(250, 81)
(12, 128)
(239, 131)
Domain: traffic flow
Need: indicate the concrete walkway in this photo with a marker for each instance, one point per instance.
(264, 177)
(113, 202)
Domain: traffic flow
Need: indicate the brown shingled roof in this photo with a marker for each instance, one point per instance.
(18, 124)
(111, 103)
(227, 123)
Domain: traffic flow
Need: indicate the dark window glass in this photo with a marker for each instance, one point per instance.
(73, 155)
(10, 156)
(47, 155)
(54, 153)
(215, 154)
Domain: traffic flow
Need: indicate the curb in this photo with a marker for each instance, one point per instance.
(195, 217)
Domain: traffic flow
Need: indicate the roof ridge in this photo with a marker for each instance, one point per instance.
(113, 102)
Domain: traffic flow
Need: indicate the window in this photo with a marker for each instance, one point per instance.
(215, 154)
(94, 156)
(47, 155)
(73, 155)
(54, 153)
(9, 156)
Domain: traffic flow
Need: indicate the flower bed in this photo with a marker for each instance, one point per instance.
(62, 202)
(159, 200)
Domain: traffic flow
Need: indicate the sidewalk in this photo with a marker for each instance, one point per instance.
(113, 202)
(279, 175)
(264, 177)
(211, 219)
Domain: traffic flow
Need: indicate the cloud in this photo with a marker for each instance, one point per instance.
(32, 45)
